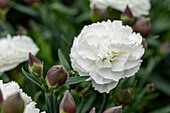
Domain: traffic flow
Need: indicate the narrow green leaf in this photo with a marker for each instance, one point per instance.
(161, 83)
(75, 80)
(63, 60)
(24, 9)
(60, 7)
(165, 109)
(89, 103)
(30, 77)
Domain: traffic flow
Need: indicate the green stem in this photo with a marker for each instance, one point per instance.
(81, 105)
(103, 105)
(51, 103)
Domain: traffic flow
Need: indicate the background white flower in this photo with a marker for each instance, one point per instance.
(138, 7)
(11, 88)
(107, 51)
(14, 50)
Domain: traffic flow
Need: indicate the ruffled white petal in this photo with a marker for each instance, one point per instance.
(109, 74)
(104, 88)
(30, 108)
(98, 78)
(131, 72)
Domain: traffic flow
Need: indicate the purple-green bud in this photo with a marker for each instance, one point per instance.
(67, 104)
(31, 2)
(165, 47)
(22, 30)
(145, 45)
(13, 104)
(143, 26)
(124, 96)
(97, 14)
(117, 109)
(127, 16)
(35, 65)
(93, 110)
(151, 87)
(56, 76)
(1, 98)
(4, 4)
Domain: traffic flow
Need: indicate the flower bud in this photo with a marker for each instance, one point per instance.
(127, 16)
(35, 65)
(13, 104)
(143, 27)
(117, 109)
(87, 91)
(145, 45)
(31, 2)
(56, 76)
(97, 14)
(4, 4)
(1, 98)
(124, 96)
(22, 30)
(67, 104)
(93, 110)
(165, 47)
(151, 87)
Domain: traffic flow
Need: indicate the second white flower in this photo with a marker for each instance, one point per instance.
(107, 51)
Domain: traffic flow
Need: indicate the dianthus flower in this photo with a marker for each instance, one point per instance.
(107, 51)
(138, 7)
(14, 50)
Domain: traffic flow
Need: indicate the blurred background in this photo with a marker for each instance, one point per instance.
(53, 24)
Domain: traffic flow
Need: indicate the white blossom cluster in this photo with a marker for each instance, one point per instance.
(12, 88)
(107, 51)
(14, 50)
(138, 7)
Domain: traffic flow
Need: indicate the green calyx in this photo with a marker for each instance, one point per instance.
(49, 85)
(62, 111)
(37, 70)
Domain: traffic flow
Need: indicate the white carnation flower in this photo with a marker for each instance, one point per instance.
(12, 88)
(107, 51)
(14, 50)
(138, 7)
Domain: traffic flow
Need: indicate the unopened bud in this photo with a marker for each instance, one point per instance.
(117, 109)
(22, 30)
(4, 4)
(35, 65)
(56, 76)
(31, 2)
(1, 98)
(124, 96)
(143, 27)
(67, 104)
(145, 45)
(97, 14)
(93, 110)
(87, 91)
(151, 87)
(13, 104)
(165, 47)
(127, 16)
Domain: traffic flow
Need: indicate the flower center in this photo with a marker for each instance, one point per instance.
(105, 53)
(109, 55)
